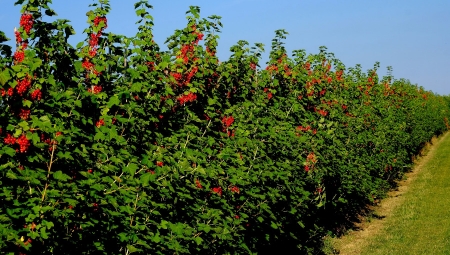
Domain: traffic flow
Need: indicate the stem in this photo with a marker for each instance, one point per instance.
(135, 205)
(256, 152)
(49, 166)
(185, 144)
(206, 128)
(70, 113)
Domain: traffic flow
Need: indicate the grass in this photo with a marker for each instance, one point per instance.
(415, 219)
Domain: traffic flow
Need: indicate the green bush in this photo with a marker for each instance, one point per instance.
(117, 147)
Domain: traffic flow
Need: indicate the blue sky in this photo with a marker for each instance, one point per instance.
(411, 36)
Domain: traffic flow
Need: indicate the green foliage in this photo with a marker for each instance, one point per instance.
(116, 147)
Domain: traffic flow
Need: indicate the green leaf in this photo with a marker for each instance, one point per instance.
(198, 240)
(145, 178)
(44, 118)
(114, 100)
(59, 175)
(273, 225)
(48, 224)
(27, 103)
(156, 238)
(163, 224)
(8, 151)
(132, 249)
(211, 101)
(77, 103)
(3, 37)
(131, 168)
(11, 175)
(113, 133)
(32, 8)
(18, 132)
(43, 232)
(4, 77)
(99, 136)
(123, 237)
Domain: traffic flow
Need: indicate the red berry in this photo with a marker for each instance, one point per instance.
(36, 94)
(9, 139)
(24, 114)
(23, 86)
(217, 190)
(98, 19)
(26, 21)
(19, 56)
(100, 123)
(24, 143)
(191, 97)
(18, 37)
(198, 184)
(235, 189)
(227, 121)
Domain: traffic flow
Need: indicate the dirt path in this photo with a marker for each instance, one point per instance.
(354, 242)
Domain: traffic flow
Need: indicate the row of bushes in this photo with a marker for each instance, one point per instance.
(117, 147)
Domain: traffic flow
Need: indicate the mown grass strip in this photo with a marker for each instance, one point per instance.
(420, 222)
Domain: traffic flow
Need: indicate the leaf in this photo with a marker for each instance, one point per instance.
(48, 224)
(32, 8)
(8, 150)
(4, 77)
(43, 232)
(11, 175)
(114, 100)
(4, 219)
(163, 224)
(18, 132)
(105, 111)
(98, 186)
(123, 237)
(145, 178)
(27, 103)
(99, 136)
(59, 175)
(44, 118)
(211, 101)
(126, 209)
(3, 37)
(113, 133)
(156, 238)
(131, 168)
(77, 103)
(51, 80)
(72, 202)
(198, 240)
(273, 225)
(50, 12)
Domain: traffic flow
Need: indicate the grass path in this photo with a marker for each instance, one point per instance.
(415, 219)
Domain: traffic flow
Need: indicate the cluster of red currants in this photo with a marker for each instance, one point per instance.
(26, 22)
(191, 97)
(22, 141)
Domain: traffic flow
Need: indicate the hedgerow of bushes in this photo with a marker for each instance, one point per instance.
(116, 147)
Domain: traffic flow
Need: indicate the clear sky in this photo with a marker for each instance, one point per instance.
(412, 36)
